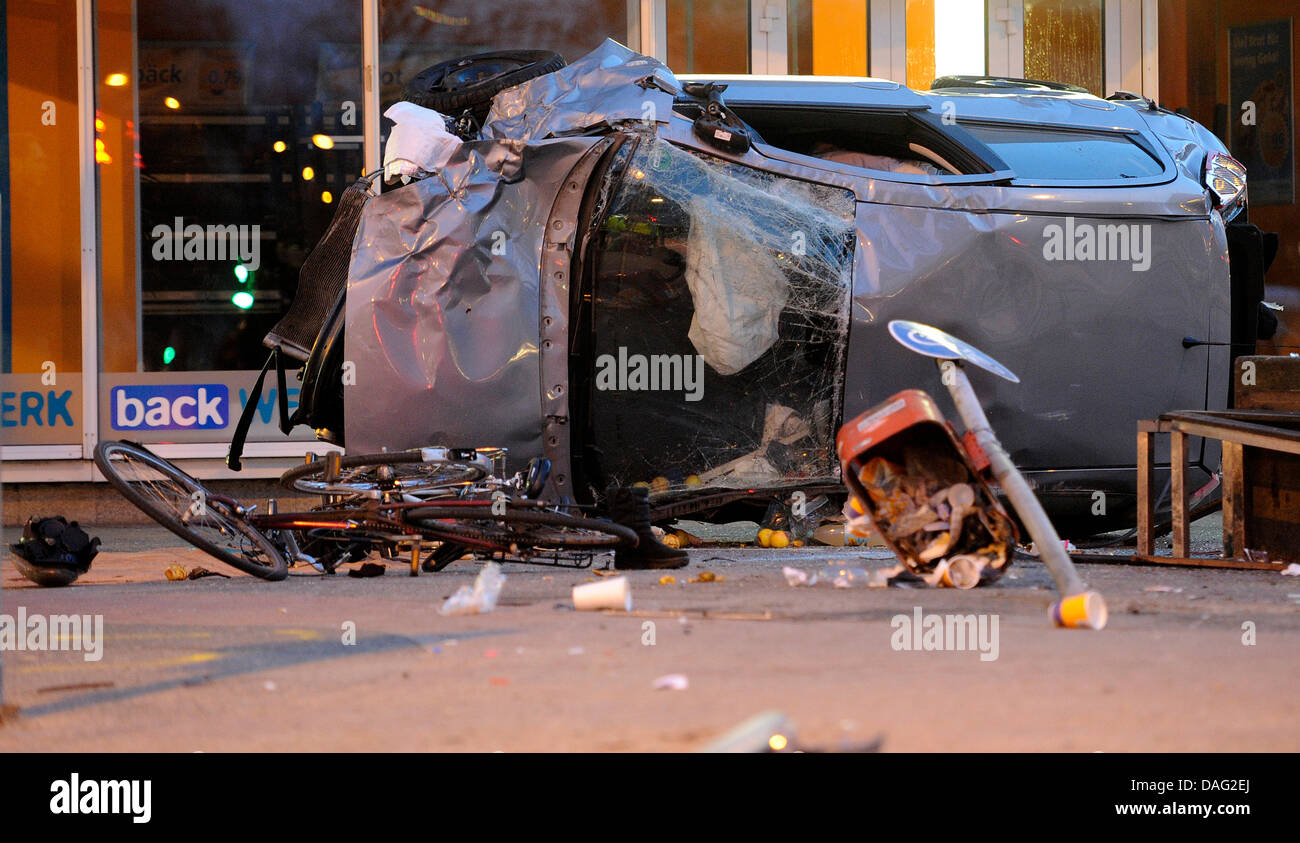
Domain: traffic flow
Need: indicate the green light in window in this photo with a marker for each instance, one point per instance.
(169, 354)
(241, 273)
(242, 300)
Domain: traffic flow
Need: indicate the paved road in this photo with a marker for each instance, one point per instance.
(238, 664)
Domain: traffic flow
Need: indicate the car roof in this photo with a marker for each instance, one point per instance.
(1064, 108)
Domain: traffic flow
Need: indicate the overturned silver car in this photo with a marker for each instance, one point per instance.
(684, 282)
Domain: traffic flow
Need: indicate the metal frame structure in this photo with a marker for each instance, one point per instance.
(1237, 430)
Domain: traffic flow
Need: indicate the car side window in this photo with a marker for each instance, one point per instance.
(903, 142)
(1038, 153)
(719, 298)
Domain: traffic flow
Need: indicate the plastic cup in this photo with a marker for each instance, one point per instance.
(962, 572)
(1086, 610)
(611, 593)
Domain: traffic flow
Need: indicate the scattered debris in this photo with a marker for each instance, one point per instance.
(77, 686)
(707, 576)
(842, 575)
(1163, 589)
(198, 573)
(759, 733)
(499, 680)
(681, 538)
(368, 569)
(615, 593)
(855, 532)
(772, 731)
(576, 651)
(671, 682)
(269, 686)
(1032, 550)
(1292, 570)
(667, 579)
(481, 598)
(176, 573)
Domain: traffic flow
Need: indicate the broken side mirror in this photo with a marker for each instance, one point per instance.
(717, 126)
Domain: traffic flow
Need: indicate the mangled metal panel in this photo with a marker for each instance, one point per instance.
(721, 309)
(609, 85)
(443, 302)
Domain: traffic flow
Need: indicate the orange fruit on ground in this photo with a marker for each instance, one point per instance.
(780, 539)
(765, 537)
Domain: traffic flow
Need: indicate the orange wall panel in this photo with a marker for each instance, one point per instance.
(44, 201)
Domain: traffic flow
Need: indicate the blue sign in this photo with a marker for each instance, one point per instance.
(190, 406)
(930, 341)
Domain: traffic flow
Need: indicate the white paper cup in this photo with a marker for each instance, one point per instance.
(610, 593)
(963, 571)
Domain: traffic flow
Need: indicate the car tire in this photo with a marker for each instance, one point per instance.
(470, 83)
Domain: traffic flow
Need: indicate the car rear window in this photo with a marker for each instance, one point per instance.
(1034, 153)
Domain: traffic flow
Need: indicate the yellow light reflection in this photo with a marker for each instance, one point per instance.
(116, 80)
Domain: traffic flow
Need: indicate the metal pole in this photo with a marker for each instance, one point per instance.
(1050, 550)
(88, 171)
(370, 88)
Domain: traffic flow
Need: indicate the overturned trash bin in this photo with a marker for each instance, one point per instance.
(899, 499)
(921, 487)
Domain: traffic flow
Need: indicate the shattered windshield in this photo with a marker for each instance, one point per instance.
(719, 320)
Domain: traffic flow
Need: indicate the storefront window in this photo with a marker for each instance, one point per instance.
(944, 38)
(414, 36)
(228, 131)
(827, 37)
(40, 234)
(708, 36)
(1063, 42)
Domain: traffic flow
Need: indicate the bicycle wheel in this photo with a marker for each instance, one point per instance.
(521, 529)
(181, 504)
(374, 475)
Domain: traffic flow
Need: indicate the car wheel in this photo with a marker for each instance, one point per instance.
(470, 83)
